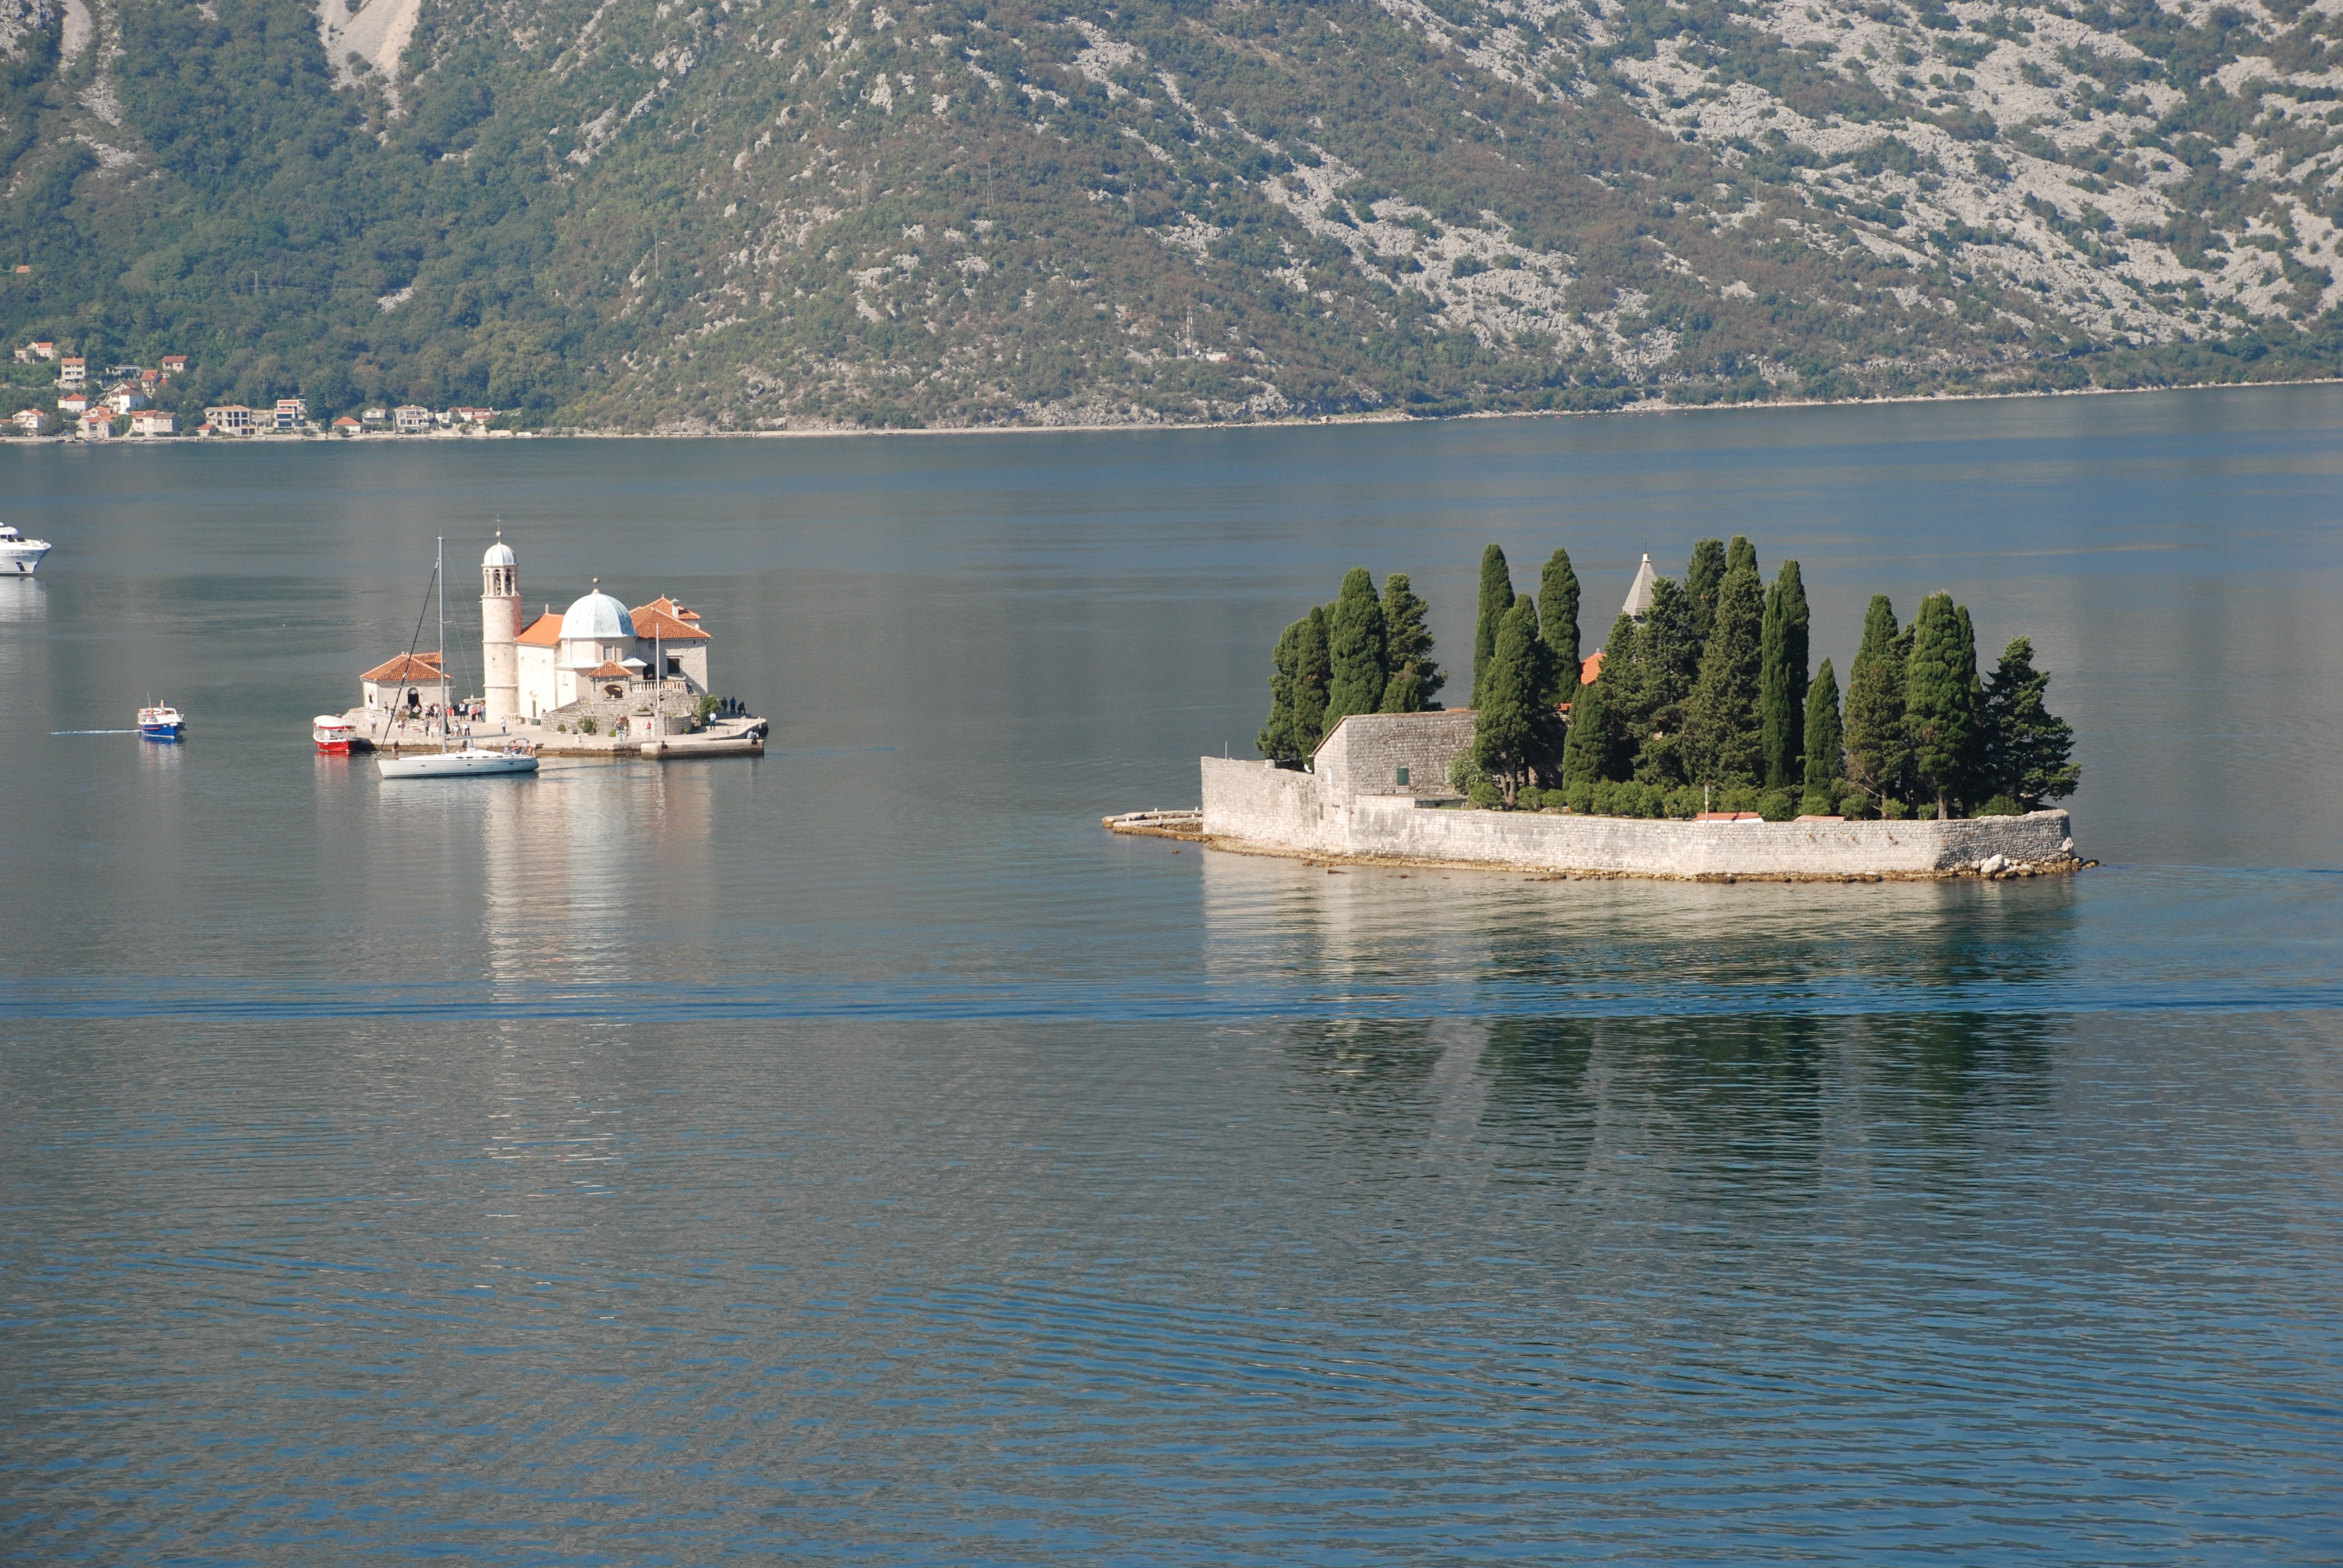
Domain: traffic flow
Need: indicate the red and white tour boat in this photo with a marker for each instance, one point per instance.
(332, 733)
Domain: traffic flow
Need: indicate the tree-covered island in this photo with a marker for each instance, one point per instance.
(1702, 697)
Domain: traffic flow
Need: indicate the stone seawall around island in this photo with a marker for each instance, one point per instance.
(1360, 805)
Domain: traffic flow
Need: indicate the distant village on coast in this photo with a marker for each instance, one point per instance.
(118, 401)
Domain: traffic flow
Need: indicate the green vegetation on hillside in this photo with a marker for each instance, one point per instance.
(758, 214)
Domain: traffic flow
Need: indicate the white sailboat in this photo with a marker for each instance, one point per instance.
(470, 762)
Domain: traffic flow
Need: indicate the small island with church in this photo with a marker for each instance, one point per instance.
(594, 680)
(1698, 743)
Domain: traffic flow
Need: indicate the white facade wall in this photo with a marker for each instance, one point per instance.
(538, 681)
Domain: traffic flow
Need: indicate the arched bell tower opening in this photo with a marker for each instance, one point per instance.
(500, 631)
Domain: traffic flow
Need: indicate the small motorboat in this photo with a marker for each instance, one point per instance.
(332, 733)
(19, 555)
(469, 763)
(162, 723)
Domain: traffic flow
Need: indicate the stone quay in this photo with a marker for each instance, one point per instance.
(1378, 792)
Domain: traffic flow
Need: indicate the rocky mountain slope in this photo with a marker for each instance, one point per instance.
(758, 214)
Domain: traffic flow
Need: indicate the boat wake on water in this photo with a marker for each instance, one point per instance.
(93, 732)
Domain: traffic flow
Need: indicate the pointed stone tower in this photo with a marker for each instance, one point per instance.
(1639, 595)
(500, 631)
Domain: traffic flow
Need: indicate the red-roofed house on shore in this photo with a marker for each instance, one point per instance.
(406, 682)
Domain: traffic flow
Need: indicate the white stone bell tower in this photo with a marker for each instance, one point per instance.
(500, 631)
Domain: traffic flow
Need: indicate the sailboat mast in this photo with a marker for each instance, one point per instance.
(440, 574)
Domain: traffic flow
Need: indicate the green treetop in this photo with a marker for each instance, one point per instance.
(1878, 753)
(1355, 648)
(2028, 748)
(1738, 554)
(1972, 782)
(1514, 726)
(1782, 681)
(1407, 649)
(1723, 735)
(1656, 688)
(1558, 623)
(1940, 704)
(1823, 741)
(1297, 692)
(1496, 600)
(1704, 575)
(1592, 750)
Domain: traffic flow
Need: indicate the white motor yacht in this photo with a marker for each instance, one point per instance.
(19, 555)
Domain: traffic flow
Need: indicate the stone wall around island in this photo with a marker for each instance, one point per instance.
(1257, 807)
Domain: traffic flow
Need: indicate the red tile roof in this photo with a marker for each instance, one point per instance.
(610, 669)
(668, 622)
(543, 632)
(1591, 668)
(421, 667)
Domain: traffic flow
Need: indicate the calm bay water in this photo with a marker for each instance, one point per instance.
(855, 1154)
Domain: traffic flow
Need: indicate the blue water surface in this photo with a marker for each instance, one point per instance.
(857, 1155)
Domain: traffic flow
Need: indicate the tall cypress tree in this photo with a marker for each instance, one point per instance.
(1825, 740)
(1937, 705)
(1723, 734)
(1738, 554)
(1496, 601)
(1513, 727)
(2029, 749)
(1656, 697)
(1279, 740)
(1314, 674)
(1782, 681)
(1592, 750)
(1354, 650)
(1407, 649)
(1878, 752)
(1297, 692)
(1558, 623)
(1704, 575)
(1973, 787)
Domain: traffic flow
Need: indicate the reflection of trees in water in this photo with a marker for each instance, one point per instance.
(1739, 1101)
(1954, 1067)
(1739, 1108)
(1476, 946)
(1806, 948)
(1541, 1107)
(1997, 934)
(1372, 1068)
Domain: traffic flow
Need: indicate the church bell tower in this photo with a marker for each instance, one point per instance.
(500, 631)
